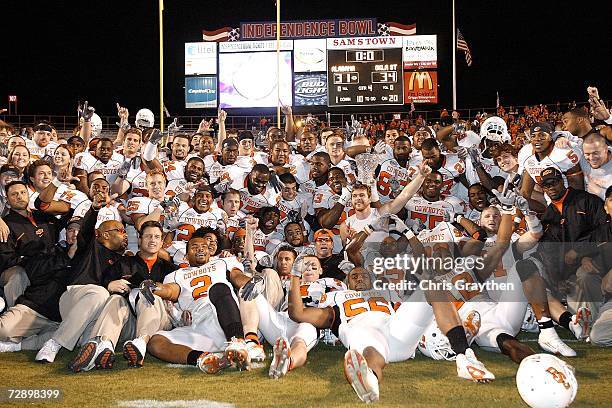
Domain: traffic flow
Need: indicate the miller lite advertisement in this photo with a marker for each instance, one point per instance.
(421, 86)
(310, 89)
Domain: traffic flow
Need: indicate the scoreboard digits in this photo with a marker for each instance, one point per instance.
(365, 77)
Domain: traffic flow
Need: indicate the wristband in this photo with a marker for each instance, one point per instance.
(150, 152)
(507, 209)
(374, 197)
(457, 218)
(408, 233)
(533, 223)
(344, 198)
(56, 182)
(368, 229)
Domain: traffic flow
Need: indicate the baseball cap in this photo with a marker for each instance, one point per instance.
(425, 129)
(229, 142)
(43, 127)
(323, 232)
(550, 174)
(542, 127)
(9, 168)
(75, 222)
(245, 134)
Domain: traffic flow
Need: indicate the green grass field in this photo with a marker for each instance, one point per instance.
(419, 383)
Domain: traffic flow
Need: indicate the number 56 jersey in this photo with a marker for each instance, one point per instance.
(195, 282)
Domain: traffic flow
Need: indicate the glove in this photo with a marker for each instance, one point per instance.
(506, 201)
(125, 168)
(174, 126)
(147, 287)
(252, 288)
(380, 224)
(298, 266)
(416, 226)
(462, 152)
(400, 226)
(346, 195)
(156, 137)
(474, 154)
(346, 266)
(522, 204)
(86, 112)
(380, 147)
(246, 264)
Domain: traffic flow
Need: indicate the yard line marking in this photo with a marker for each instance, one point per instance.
(174, 404)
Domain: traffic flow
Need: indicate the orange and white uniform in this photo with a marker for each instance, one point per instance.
(430, 213)
(189, 220)
(88, 162)
(325, 198)
(389, 173)
(561, 159)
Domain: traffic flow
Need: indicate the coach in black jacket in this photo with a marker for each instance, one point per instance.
(568, 223)
(98, 249)
(26, 228)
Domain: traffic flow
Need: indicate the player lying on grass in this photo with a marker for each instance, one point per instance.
(367, 323)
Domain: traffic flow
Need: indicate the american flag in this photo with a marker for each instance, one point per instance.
(391, 28)
(222, 34)
(463, 46)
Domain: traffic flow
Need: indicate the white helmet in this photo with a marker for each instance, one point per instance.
(434, 344)
(495, 129)
(96, 125)
(145, 118)
(544, 380)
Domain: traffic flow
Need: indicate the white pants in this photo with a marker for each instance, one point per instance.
(273, 324)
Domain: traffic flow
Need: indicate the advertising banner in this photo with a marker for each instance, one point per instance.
(200, 92)
(310, 89)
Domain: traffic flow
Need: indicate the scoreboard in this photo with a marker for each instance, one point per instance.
(361, 77)
(334, 72)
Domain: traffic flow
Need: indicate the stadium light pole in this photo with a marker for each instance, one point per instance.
(454, 48)
(161, 65)
(278, 64)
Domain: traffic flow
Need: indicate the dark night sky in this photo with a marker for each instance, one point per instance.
(54, 53)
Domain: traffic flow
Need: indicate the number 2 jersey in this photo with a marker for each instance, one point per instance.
(195, 282)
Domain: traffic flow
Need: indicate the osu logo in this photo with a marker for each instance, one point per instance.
(420, 79)
(558, 377)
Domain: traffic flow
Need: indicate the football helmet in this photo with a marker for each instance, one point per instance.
(96, 125)
(434, 344)
(544, 380)
(495, 129)
(145, 118)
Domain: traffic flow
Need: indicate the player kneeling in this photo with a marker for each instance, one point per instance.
(367, 323)
(206, 306)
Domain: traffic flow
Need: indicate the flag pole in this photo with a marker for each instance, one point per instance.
(454, 48)
(161, 65)
(278, 64)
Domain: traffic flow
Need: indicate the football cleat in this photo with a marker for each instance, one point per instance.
(134, 352)
(105, 355)
(9, 347)
(361, 378)
(470, 368)
(549, 341)
(212, 363)
(48, 351)
(530, 323)
(256, 352)
(471, 325)
(281, 360)
(237, 354)
(581, 323)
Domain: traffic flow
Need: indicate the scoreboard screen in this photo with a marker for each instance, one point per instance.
(359, 77)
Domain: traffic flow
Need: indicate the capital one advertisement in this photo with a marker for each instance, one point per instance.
(310, 89)
(421, 87)
(200, 92)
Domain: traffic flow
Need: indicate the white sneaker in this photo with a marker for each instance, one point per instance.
(549, 341)
(530, 323)
(212, 363)
(581, 323)
(238, 354)
(9, 347)
(256, 352)
(361, 377)
(470, 368)
(48, 351)
(281, 359)
(134, 352)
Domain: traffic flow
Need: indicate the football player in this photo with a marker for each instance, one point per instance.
(450, 166)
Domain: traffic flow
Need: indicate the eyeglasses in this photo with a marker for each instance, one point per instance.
(323, 240)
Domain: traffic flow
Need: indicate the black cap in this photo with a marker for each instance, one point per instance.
(75, 222)
(9, 168)
(245, 134)
(542, 127)
(229, 142)
(43, 127)
(550, 174)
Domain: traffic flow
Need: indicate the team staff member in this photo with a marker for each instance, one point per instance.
(98, 249)
(122, 281)
(26, 228)
(567, 222)
(324, 246)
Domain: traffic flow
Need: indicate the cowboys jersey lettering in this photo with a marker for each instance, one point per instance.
(391, 178)
(430, 213)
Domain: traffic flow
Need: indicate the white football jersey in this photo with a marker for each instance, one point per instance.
(175, 170)
(444, 234)
(194, 282)
(189, 220)
(38, 152)
(430, 213)
(178, 253)
(299, 204)
(77, 199)
(137, 176)
(391, 178)
(452, 167)
(347, 165)
(141, 205)
(561, 159)
(250, 204)
(89, 163)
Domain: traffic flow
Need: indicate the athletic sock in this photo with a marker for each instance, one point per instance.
(228, 313)
(545, 323)
(457, 339)
(192, 357)
(252, 338)
(565, 319)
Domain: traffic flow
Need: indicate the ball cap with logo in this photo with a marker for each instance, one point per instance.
(542, 127)
(550, 174)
